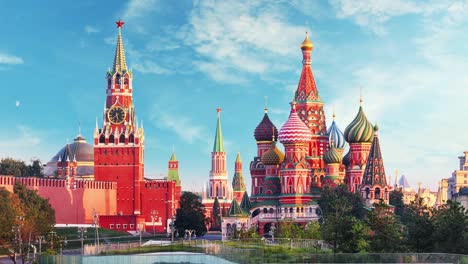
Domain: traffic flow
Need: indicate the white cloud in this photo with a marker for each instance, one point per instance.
(90, 29)
(24, 137)
(374, 13)
(137, 8)
(17, 103)
(150, 67)
(234, 34)
(10, 59)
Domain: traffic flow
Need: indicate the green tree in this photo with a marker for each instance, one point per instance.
(419, 228)
(36, 169)
(341, 213)
(312, 230)
(288, 229)
(23, 216)
(396, 199)
(216, 216)
(17, 168)
(191, 214)
(385, 229)
(451, 228)
(339, 198)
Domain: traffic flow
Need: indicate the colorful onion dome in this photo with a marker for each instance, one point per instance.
(335, 135)
(332, 155)
(273, 156)
(266, 129)
(294, 130)
(347, 158)
(360, 130)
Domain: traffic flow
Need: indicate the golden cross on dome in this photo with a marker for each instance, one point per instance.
(120, 23)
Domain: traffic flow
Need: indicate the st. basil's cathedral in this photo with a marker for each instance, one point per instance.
(286, 185)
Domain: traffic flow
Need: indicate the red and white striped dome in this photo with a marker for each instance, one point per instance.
(294, 130)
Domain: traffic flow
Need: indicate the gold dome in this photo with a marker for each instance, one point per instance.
(307, 44)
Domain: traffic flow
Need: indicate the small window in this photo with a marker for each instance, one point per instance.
(118, 226)
(124, 226)
(132, 226)
(111, 226)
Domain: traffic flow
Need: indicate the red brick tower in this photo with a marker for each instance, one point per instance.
(119, 144)
(310, 110)
(238, 183)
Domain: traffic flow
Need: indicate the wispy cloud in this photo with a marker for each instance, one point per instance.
(24, 137)
(10, 59)
(137, 8)
(150, 67)
(90, 29)
(374, 13)
(234, 34)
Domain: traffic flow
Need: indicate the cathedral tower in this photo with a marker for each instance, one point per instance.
(310, 110)
(359, 134)
(218, 186)
(119, 143)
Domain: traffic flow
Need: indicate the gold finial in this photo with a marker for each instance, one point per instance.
(266, 104)
(307, 44)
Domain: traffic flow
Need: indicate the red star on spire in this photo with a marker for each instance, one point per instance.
(218, 109)
(120, 23)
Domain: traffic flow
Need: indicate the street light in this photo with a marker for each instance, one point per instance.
(39, 240)
(172, 227)
(96, 226)
(140, 230)
(154, 213)
(188, 233)
(81, 232)
(272, 232)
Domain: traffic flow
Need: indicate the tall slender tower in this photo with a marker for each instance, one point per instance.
(310, 110)
(218, 185)
(238, 183)
(173, 175)
(374, 180)
(119, 144)
(359, 134)
(264, 133)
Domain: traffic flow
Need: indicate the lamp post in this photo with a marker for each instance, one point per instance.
(81, 232)
(140, 230)
(272, 232)
(172, 227)
(96, 226)
(188, 233)
(154, 213)
(39, 240)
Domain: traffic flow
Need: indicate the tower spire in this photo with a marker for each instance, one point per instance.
(307, 89)
(218, 143)
(119, 59)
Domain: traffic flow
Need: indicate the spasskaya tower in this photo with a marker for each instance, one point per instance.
(119, 143)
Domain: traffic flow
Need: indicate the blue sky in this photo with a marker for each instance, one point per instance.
(189, 57)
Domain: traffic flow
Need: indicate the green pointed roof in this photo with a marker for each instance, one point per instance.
(235, 210)
(218, 142)
(173, 157)
(245, 204)
(173, 173)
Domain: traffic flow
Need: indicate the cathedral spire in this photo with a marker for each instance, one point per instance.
(307, 89)
(218, 143)
(119, 59)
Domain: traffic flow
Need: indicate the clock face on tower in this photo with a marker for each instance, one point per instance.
(116, 115)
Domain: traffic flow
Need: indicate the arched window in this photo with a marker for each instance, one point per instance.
(111, 139)
(122, 138)
(265, 211)
(290, 210)
(377, 193)
(271, 210)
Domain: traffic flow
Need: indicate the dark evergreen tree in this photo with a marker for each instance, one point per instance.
(191, 214)
(386, 233)
(36, 169)
(451, 228)
(418, 225)
(396, 199)
(216, 216)
(17, 168)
